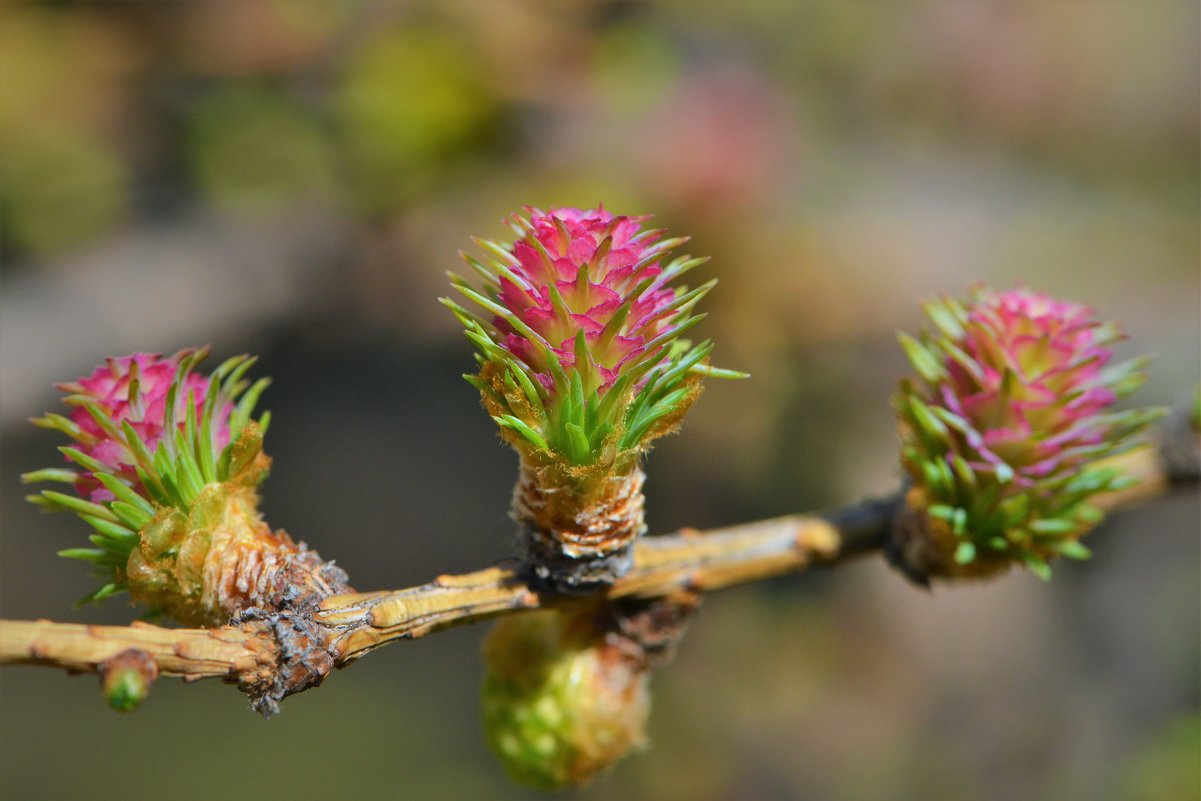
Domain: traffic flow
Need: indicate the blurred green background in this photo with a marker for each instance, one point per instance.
(293, 178)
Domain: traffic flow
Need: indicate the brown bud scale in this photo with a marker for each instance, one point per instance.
(577, 532)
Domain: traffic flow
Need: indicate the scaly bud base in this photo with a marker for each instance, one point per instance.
(204, 567)
(576, 532)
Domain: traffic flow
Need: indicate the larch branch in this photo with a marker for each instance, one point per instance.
(354, 623)
(358, 622)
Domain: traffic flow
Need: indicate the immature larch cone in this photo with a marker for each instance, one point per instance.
(166, 467)
(1004, 432)
(582, 366)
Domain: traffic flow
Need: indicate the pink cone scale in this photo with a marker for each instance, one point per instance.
(579, 330)
(134, 389)
(1005, 429)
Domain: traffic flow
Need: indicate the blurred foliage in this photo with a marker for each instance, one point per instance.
(408, 101)
(255, 149)
(633, 66)
(1168, 767)
(65, 190)
(62, 181)
(391, 105)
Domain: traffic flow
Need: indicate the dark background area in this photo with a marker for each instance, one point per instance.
(293, 179)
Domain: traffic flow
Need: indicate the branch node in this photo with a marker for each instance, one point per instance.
(303, 654)
(302, 658)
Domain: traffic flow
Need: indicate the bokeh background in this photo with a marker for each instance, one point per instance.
(293, 179)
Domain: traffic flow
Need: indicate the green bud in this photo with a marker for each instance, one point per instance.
(562, 701)
(125, 679)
